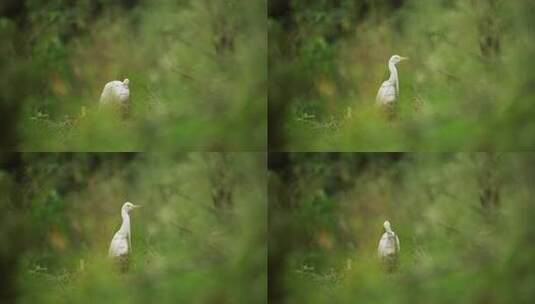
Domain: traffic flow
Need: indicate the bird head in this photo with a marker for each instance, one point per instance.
(128, 206)
(396, 59)
(387, 226)
(126, 82)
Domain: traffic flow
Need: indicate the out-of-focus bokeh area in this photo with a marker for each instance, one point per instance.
(468, 85)
(199, 236)
(197, 72)
(464, 222)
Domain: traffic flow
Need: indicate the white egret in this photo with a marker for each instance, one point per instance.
(121, 244)
(389, 90)
(117, 94)
(389, 248)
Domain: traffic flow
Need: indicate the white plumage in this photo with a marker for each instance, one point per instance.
(389, 248)
(116, 93)
(121, 244)
(389, 90)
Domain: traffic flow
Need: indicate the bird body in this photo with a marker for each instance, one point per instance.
(121, 243)
(388, 249)
(387, 93)
(389, 89)
(116, 93)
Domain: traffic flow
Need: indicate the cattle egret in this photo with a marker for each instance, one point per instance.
(389, 90)
(388, 249)
(121, 244)
(116, 93)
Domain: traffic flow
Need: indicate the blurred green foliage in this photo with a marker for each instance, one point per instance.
(464, 223)
(467, 86)
(197, 73)
(60, 211)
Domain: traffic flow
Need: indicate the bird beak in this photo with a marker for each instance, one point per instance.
(137, 206)
(404, 58)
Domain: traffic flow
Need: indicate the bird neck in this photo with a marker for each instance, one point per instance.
(389, 230)
(393, 72)
(393, 75)
(125, 226)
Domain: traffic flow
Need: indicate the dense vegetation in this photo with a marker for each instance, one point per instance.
(198, 238)
(197, 73)
(464, 222)
(467, 86)
(199, 81)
